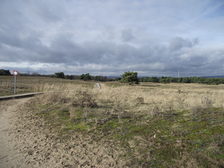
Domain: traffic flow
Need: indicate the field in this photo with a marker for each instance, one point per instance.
(27, 84)
(146, 125)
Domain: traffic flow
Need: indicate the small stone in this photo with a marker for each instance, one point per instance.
(30, 152)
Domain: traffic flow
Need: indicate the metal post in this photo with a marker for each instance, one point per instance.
(14, 90)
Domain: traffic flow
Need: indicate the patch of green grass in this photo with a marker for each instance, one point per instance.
(171, 139)
(64, 114)
(165, 139)
(81, 126)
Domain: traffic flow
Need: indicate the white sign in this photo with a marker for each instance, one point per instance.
(98, 85)
(15, 73)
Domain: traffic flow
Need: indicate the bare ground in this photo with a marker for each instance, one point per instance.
(26, 141)
(9, 154)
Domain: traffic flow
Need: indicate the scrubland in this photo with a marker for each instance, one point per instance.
(146, 125)
(165, 125)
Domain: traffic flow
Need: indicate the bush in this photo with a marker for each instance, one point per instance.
(139, 100)
(130, 77)
(86, 77)
(60, 75)
(84, 99)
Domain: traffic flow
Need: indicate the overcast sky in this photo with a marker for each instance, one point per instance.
(108, 37)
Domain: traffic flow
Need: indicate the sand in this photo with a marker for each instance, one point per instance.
(26, 141)
(10, 156)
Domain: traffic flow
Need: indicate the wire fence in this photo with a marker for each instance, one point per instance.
(26, 84)
(23, 84)
(7, 86)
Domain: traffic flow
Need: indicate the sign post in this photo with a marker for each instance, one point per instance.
(15, 73)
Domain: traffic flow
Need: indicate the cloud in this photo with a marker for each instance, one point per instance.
(127, 35)
(109, 37)
(179, 43)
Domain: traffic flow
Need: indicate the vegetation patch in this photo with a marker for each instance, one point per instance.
(171, 139)
(150, 126)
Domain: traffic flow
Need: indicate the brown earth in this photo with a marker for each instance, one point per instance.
(26, 141)
(9, 153)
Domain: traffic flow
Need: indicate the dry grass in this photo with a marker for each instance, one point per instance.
(148, 98)
(27, 84)
(144, 97)
(158, 125)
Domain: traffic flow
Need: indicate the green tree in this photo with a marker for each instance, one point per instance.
(60, 75)
(130, 77)
(86, 77)
(5, 72)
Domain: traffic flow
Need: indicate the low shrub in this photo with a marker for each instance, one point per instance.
(84, 99)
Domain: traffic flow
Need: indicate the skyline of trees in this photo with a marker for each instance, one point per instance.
(127, 77)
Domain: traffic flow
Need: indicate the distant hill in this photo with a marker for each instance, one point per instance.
(212, 76)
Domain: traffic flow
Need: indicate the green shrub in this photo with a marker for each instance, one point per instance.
(60, 75)
(130, 77)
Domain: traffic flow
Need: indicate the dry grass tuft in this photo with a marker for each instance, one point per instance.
(84, 99)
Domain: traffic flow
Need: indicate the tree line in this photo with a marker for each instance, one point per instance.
(5, 72)
(132, 78)
(85, 77)
(127, 77)
(202, 80)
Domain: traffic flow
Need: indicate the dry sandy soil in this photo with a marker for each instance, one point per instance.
(26, 141)
(9, 153)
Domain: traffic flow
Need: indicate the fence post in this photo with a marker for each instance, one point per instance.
(15, 73)
(14, 90)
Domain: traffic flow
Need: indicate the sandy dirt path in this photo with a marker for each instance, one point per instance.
(26, 141)
(9, 154)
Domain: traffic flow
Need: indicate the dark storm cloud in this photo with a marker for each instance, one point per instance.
(179, 55)
(109, 37)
